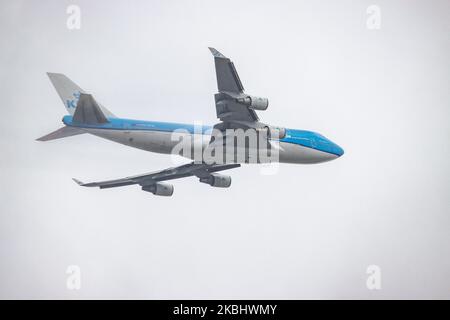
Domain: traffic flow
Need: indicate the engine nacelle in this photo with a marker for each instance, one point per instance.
(159, 189)
(256, 103)
(217, 180)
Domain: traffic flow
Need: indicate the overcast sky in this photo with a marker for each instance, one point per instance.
(308, 231)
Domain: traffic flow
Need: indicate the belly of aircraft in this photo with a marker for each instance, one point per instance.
(164, 142)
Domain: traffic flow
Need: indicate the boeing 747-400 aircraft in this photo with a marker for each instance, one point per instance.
(237, 113)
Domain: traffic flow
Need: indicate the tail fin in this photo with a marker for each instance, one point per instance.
(87, 111)
(69, 92)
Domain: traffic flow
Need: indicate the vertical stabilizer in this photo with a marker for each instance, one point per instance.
(70, 92)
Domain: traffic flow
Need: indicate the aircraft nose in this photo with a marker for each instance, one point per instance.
(324, 144)
(338, 150)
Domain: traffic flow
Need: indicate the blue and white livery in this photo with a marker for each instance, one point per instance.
(236, 111)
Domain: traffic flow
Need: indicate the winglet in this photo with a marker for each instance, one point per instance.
(216, 53)
(80, 183)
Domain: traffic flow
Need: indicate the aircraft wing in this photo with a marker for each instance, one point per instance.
(200, 170)
(227, 76)
(231, 90)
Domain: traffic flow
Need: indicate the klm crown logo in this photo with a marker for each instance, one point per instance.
(73, 103)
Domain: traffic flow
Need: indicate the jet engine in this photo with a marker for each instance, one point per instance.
(217, 180)
(256, 103)
(159, 189)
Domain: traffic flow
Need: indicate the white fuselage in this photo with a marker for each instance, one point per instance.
(163, 142)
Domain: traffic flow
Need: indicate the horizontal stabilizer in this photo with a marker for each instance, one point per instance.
(61, 133)
(88, 111)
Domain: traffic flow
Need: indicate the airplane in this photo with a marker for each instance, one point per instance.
(236, 111)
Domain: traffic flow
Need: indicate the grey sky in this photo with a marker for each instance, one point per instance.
(307, 232)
